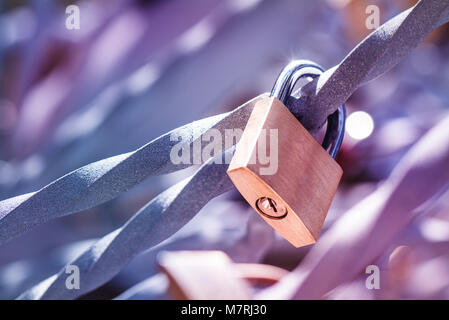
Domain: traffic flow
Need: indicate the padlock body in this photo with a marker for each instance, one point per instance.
(306, 176)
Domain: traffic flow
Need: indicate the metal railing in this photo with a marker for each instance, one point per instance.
(101, 181)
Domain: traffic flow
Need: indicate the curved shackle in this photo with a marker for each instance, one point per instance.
(283, 88)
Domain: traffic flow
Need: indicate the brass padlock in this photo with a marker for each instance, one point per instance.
(295, 197)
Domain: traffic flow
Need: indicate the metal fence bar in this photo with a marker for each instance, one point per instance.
(375, 55)
(103, 180)
(155, 222)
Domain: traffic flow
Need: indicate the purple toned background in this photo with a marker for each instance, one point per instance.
(137, 69)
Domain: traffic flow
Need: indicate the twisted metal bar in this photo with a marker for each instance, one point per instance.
(374, 56)
(103, 180)
(155, 222)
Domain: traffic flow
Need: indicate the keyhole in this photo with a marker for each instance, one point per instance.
(270, 208)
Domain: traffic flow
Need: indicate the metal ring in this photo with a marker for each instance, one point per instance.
(283, 88)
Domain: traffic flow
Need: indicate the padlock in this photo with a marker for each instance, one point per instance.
(295, 198)
(212, 275)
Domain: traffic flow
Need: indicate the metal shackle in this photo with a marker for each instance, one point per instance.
(283, 88)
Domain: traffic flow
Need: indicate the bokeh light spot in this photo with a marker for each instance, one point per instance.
(359, 125)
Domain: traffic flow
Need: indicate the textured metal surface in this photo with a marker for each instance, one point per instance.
(101, 181)
(105, 179)
(375, 55)
(155, 222)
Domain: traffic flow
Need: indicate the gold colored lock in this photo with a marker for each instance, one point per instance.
(295, 197)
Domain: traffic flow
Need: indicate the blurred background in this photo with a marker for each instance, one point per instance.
(136, 69)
